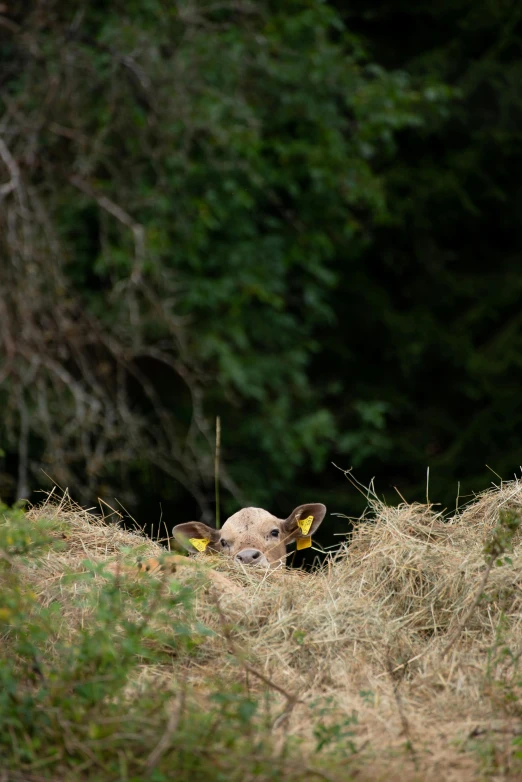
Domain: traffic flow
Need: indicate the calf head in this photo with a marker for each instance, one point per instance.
(253, 536)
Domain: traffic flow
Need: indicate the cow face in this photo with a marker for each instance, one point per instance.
(253, 536)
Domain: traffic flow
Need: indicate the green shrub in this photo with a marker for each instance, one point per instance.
(92, 683)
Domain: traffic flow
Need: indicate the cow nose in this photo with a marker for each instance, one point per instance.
(249, 556)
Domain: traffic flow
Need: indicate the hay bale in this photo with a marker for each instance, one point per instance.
(370, 629)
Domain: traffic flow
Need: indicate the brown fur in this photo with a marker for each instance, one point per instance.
(248, 532)
(252, 530)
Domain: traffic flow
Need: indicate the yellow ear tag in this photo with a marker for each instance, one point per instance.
(305, 524)
(302, 543)
(199, 543)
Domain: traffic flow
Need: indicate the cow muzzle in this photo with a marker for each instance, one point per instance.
(252, 556)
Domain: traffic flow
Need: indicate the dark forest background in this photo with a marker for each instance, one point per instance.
(302, 216)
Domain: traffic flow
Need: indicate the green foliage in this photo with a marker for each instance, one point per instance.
(331, 731)
(87, 689)
(501, 539)
(301, 217)
(210, 175)
(439, 330)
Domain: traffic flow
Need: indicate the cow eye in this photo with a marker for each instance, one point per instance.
(275, 533)
(224, 542)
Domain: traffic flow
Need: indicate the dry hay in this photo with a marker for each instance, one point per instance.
(391, 628)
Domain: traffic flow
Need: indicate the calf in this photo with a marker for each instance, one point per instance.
(253, 536)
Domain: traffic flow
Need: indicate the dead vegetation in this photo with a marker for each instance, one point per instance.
(404, 646)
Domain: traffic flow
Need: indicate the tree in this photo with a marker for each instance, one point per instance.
(441, 319)
(186, 188)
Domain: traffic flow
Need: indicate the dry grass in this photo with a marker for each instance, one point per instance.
(392, 627)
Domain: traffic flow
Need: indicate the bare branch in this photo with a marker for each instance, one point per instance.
(13, 169)
(115, 210)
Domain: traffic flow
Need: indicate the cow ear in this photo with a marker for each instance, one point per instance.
(196, 536)
(303, 521)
